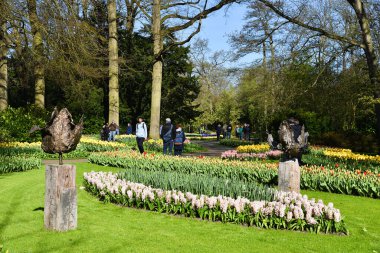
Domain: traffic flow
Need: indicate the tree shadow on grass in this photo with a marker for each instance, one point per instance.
(7, 216)
(39, 209)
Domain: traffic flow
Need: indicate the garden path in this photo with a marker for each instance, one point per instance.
(213, 149)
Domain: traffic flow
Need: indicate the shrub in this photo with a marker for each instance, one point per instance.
(15, 123)
(288, 211)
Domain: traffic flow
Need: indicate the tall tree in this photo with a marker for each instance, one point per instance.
(38, 54)
(366, 43)
(3, 59)
(157, 71)
(113, 63)
(169, 17)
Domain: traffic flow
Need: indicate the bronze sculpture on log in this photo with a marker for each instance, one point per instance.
(60, 135)
(293, 139)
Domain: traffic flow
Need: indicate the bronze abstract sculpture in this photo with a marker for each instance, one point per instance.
(60, 135)
(293, 139)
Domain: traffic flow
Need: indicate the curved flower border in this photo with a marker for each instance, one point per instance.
(290, 211)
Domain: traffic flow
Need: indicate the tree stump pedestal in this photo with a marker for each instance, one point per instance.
(289, 176)
(60, 212)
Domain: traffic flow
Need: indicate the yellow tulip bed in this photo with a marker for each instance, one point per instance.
(342, 158)
(257, 148)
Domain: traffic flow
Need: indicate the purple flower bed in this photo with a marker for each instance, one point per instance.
(288, 211)
(234, 155)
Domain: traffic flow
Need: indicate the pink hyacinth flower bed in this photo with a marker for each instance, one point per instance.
(290, 211)
(234, 155)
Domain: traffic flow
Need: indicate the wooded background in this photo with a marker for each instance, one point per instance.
(117, 60)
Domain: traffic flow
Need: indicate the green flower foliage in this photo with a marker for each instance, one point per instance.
(312, 177)
(199, 184)
(18, 163)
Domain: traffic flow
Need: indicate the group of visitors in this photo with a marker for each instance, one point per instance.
(173, 137)
(109, 131)
(242, 132)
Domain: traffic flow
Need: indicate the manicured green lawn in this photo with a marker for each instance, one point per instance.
(110, 228)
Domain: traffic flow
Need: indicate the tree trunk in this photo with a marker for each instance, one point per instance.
(39, 69)
(3, 68)
(370, 55)
(60, 211)
(157, 72)
(84, 9)
(113, 64)
(131, 15)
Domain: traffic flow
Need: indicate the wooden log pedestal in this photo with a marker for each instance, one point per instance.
(60, 212)
(289, 176)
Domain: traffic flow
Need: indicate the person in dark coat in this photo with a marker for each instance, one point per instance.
(179, 141)
(218, 132)
(113, 127)
(129, 129)
(167, 134)
(229, 130)
(105, 132)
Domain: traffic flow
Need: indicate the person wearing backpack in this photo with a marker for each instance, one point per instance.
(178, 141)
(167, 135)
(141, 134)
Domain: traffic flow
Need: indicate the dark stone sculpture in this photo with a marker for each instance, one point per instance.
(293, 139)
(60, 135)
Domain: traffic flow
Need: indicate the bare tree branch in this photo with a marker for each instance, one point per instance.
(320, 31)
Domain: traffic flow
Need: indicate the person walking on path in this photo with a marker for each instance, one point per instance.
(113, 127)
(229, 130)
(178, 141)
(141, 134)
(168, 135)
(218, 132)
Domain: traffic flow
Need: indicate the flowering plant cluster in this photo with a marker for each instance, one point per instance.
(288, 211)
(258, 148)
(92, 144)
(234, 155)
(342, 159)
(312, 177)
(349, 155)
(18, 163)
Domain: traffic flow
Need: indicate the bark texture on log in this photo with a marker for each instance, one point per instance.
(289, 176)
(60, 212)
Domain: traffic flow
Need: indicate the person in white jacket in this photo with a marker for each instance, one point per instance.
(141, 134)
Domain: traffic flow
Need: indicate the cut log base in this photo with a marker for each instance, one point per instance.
(289, 176)
(60, 212)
